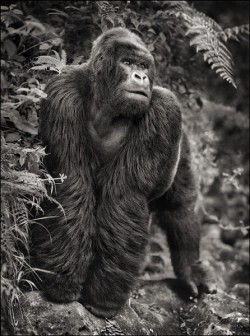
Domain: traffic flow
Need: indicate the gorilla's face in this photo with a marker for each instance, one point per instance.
(132, 95)
(124, 78)
(137, 84)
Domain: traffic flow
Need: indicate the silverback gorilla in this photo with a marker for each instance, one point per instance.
(119, 140)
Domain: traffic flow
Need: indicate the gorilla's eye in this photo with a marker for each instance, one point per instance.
(127, 62)
(144, 66)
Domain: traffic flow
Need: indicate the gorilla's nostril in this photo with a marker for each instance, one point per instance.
(137, 77)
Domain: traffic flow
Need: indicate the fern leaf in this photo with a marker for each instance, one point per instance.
(41, 67)
(56, 55)
(208, 37)
(209, 55)
(177, 6)
(48, 60)
(236, 33)
(204, 34)
(64, 56)
(208, 20)
(51, 63)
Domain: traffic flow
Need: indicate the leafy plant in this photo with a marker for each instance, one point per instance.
(24, 184)
(21, 190)
(205, 38)
(236, 33)
(55, 63)
(209, 38)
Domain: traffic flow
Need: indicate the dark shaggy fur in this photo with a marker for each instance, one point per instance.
(122, 158)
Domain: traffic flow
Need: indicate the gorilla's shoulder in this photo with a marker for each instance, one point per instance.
(72, 77)
(165, 100)
(164, 94)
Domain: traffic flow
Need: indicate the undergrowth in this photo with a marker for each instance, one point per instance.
(22, 191)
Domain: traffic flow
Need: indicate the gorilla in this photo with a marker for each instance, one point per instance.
(119, 140)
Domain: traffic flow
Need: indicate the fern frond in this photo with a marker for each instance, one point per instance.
(48, 60)
(44, 67)
(177, 6)
(64, 56)
(57, 56)
(56, 63)
(236, 33)
(204, 36)
(107, 12)
(208, 37)
(105, 8)
(205, 19)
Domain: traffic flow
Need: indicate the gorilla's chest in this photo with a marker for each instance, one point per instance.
(108, 141)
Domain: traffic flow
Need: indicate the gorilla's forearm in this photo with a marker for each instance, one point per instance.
(119, 254)
(63, 240)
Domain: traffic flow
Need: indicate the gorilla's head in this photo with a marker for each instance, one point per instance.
(123, 69)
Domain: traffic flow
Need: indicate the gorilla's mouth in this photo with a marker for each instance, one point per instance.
(138, 92)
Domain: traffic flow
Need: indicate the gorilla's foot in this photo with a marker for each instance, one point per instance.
(200, 279)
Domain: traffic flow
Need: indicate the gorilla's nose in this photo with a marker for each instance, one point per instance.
(140, 78)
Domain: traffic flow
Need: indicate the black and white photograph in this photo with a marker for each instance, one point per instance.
(124, 168)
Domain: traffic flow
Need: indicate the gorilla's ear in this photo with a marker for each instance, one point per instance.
(97, 63)
(103, 63)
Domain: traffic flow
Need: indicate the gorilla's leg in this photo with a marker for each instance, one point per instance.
(175, 213)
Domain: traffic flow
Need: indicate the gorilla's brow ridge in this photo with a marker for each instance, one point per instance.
(135, 50)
